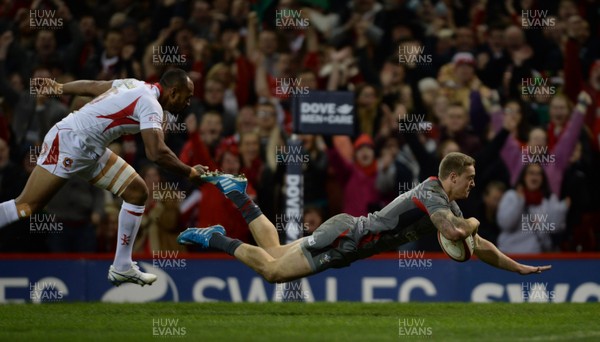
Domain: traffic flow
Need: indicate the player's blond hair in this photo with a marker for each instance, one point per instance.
(454, 162)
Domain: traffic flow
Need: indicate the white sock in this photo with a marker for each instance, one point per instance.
(130, 219)
(8, 213)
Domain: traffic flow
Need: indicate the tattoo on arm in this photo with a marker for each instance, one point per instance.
(447, 222)
(440, 221)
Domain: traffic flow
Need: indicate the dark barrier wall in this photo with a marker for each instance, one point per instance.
(392, 277)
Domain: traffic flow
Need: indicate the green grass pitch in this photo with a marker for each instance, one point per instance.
(300, 322)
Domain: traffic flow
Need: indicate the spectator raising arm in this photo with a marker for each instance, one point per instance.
(251, 36)
(566, 144)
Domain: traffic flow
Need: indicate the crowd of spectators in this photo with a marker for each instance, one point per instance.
(515, 84)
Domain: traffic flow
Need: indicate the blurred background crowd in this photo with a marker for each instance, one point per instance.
(501, 80)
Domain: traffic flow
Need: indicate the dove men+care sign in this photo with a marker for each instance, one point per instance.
(324, 112)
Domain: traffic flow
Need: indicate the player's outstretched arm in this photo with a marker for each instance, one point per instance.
(157, 151)
(81, 87)
(452, 227)
(490, 254)
(84, 87)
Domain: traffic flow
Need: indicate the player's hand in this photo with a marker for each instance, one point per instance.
(196, 172)
(200, 169)
(474, 224)
(526, 269)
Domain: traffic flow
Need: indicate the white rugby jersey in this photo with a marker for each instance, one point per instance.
(127, 108)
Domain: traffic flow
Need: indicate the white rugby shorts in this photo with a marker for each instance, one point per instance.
(64, 154)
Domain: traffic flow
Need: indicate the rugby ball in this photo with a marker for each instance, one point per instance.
(460, 251)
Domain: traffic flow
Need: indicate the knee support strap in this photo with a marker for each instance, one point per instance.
(115, 176)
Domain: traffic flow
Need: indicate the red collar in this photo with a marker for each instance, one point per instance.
(160, 89)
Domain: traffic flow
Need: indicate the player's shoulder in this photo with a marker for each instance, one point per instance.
(142, 91)
(438, 195)
(455, 209)
(128, 83)
(433, 193)
(434, 185)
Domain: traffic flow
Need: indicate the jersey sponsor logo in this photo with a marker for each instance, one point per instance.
(311, 241)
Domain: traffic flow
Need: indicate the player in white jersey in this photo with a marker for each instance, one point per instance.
(77, 145)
